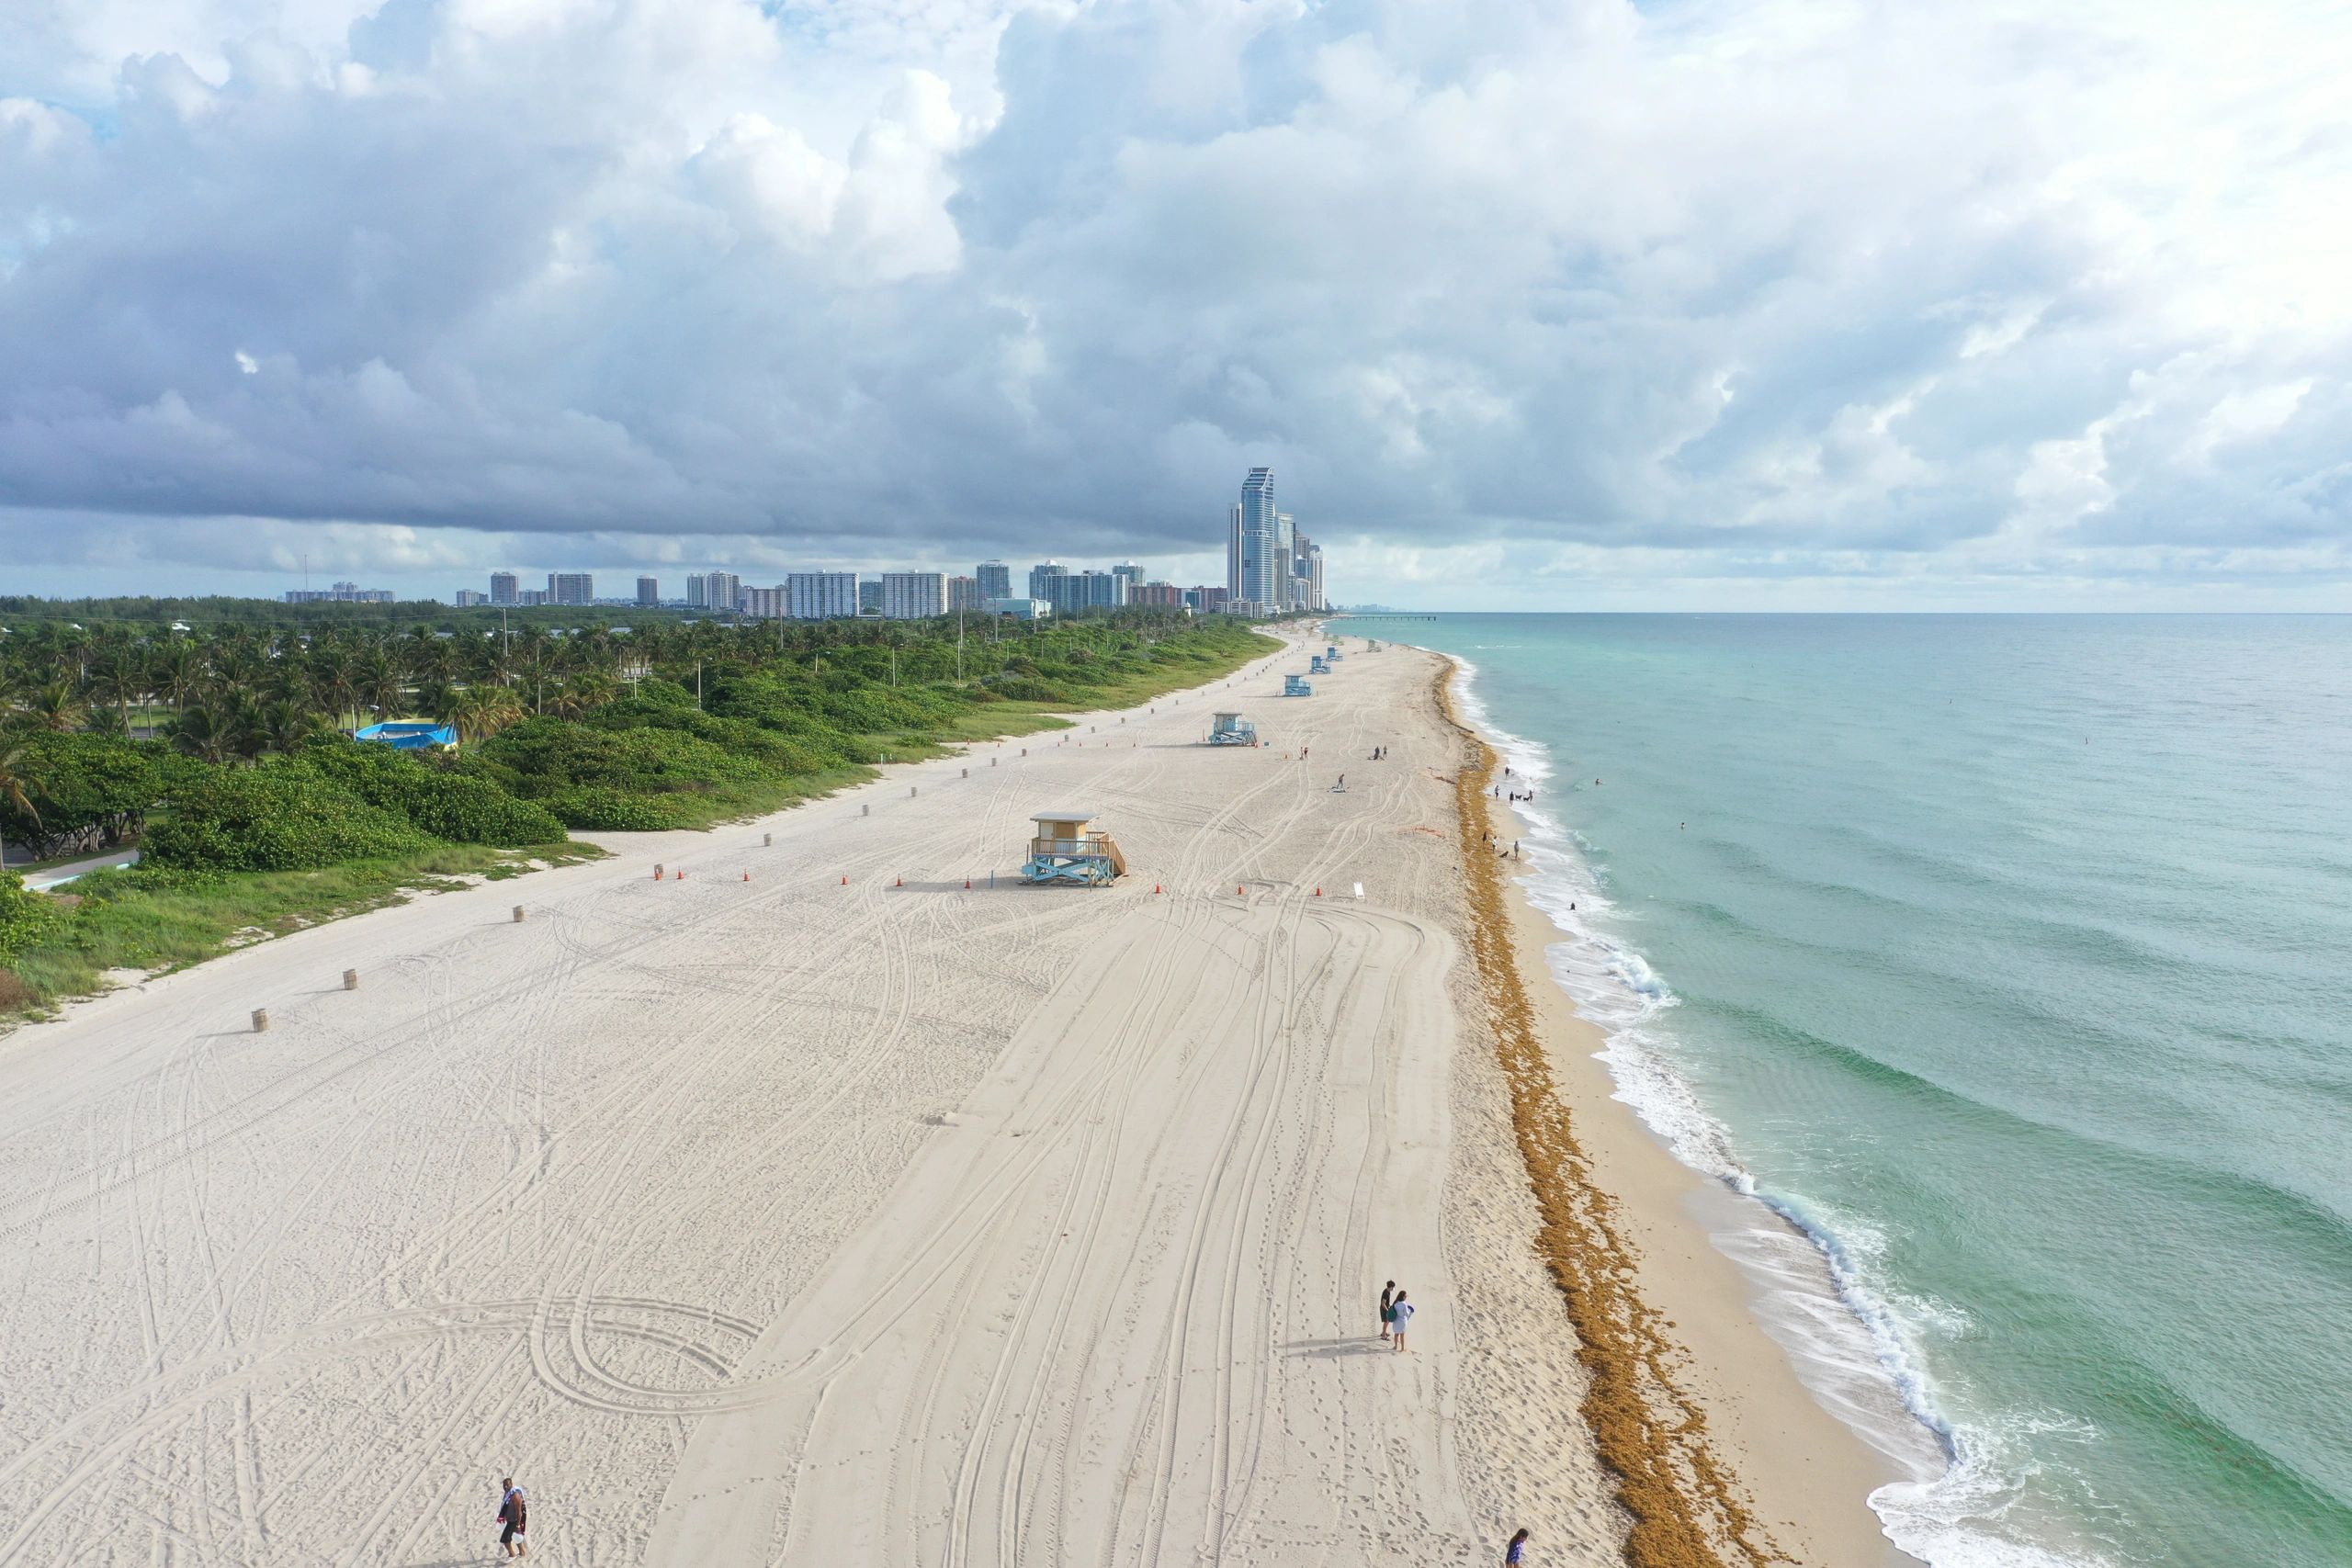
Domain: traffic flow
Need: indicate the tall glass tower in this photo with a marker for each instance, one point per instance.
(1265, 567)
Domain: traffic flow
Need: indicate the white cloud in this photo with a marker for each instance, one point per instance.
(1772, 290)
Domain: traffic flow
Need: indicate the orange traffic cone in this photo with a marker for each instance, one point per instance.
(1155, 887)
(844, 882)
(1318, 893)
(747, 876)
(967, 885)
(900, 882)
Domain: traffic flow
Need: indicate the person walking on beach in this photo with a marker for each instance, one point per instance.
(513, 1513)
(1515, 1554)
(1400, 1314)
(1387, 1306)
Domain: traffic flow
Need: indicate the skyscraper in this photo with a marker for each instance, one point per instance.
(1037, 575)
(697, 591)
(1233, 552)
(724, 591)
(572, 588)
(913, 595)
(964, 593)
(996, 580)
(648, 592)
(503, 587)
(821, 595)
(1131, 572)
(1264, 566)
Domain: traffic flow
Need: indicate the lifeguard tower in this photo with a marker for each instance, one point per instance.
(1296, 686)
(1315, 665)
(1332, 654)
(1232, 729)
(1066, 850)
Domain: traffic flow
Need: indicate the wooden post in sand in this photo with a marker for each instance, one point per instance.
(767, 838)
(351, 979)
(518, 914)
(261, 1020)
(968, 772)
(910, 792)
(866, 810)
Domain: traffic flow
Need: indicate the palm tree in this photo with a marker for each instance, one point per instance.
(480, 712)
(377, 682)
(17, 784)
(285, 724)
(178, 671)
(212, 732)
(57, 707)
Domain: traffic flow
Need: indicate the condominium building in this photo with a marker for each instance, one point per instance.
(820, 595)
(869, 595)
(531, 596)
(648, 592)
(767, 604)
(1233, 552)
(504, 589)
(1265, 565)
(572, 588)
(468, 598)
(913, 595)
(697, 591)
(1208, 600)
(1037, 575)
(964, 593)
(995, 580)
(1071, 593)
(724, 589)
(1131, 572)
(1159, 595)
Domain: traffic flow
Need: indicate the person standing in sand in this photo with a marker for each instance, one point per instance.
(1400, 1314)
(1387, 1306)
(514, 1516)
(1516, 1552)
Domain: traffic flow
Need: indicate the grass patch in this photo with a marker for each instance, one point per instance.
(157, 923)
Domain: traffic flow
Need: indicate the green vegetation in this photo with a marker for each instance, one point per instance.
(224, 752)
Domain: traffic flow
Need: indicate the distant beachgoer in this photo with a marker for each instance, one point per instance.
(1400, 1314)
(1343, 781)
(1387, 1306)
(1516, 1552)
(515, 1513)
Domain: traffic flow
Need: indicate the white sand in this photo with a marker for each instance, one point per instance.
(786, 1221)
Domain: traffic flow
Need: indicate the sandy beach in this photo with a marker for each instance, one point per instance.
(816, 1206)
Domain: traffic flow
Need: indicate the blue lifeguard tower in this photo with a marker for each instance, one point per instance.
(1066, 852)
(1332, 654)
(1315, 666)
(1296, 686)
(1232, 729)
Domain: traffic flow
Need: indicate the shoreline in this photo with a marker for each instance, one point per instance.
(1721, 1453)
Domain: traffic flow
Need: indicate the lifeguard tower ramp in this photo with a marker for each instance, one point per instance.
(1066, 850)
(1296, 686)
(1232, 729)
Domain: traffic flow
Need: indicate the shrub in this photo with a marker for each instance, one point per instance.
(463, 807)
(26, 917)
(91, 790)
(279, 816)
(596, 808)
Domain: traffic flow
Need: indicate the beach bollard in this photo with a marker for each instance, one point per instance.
(993, 761)
(261, 1020)
(767, 838)
(351, 979)
(968, 772)
(1024, 750)
(518, 914)
(910, 792)
(867, 809)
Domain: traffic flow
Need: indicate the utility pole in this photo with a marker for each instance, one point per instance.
(697, 685)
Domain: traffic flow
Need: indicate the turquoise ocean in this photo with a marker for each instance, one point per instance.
(2010, 958)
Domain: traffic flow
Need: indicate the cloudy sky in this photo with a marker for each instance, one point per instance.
(1530, 303)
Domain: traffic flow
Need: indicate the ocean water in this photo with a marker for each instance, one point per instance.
(2011, 957)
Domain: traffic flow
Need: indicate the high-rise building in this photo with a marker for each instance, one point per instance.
(869, 595)
(1073, 592)
(572, 588)
(341, 593)
(821, 595)
(767, 604)
(1264, 566)
(697, 591)
(1207, 600)
(964, 593)
(503, 588)
(1037, 575)
(1131, 572)
(913, 595)
(724, 589)
(468, 598)
(995, 580)
(648, 592)
(1233, 552)
(530, 596)
(1159, 595)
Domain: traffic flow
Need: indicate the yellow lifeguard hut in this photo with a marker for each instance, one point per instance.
(1066, 849)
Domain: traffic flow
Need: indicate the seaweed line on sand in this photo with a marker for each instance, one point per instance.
(1687, 1507)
